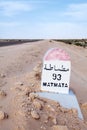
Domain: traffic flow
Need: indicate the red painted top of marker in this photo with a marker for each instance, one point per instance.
(57, 54)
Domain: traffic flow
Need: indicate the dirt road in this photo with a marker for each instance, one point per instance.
(19, 60)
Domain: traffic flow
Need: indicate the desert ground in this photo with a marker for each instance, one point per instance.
(20, 77)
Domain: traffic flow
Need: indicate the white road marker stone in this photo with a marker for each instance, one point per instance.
(56, 71)
(56, 77)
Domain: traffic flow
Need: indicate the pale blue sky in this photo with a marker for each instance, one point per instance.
(43, 19)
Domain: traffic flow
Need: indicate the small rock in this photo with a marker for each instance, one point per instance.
(38, 76)
(35, 69)
(19, 83)
(37, 104)
(35, 115)
(2, 115)
(2, 93)
(58, 104)
(2, 75)
(33, 96)
(65, 110)
(49, 107)
(32, 85)
(43, 127)
(59, 127)
(54, 121)
(84, 105)
(6, 115)
(74, 111)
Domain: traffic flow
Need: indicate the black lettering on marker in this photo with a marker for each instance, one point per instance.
(66, 85)
(62, 84)
(44, 84)
(55, 84)
(51, 84)
(48, 84)
(59, 85)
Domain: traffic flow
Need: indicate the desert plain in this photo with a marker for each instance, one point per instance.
(20, 78)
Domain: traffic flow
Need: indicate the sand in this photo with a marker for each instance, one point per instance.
(20, 76)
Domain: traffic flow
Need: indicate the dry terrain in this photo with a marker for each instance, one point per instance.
(20, 76)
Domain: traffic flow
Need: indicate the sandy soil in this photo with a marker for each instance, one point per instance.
(20, 76)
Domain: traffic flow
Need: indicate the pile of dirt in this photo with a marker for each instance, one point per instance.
(20, 106)
(33, 112)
